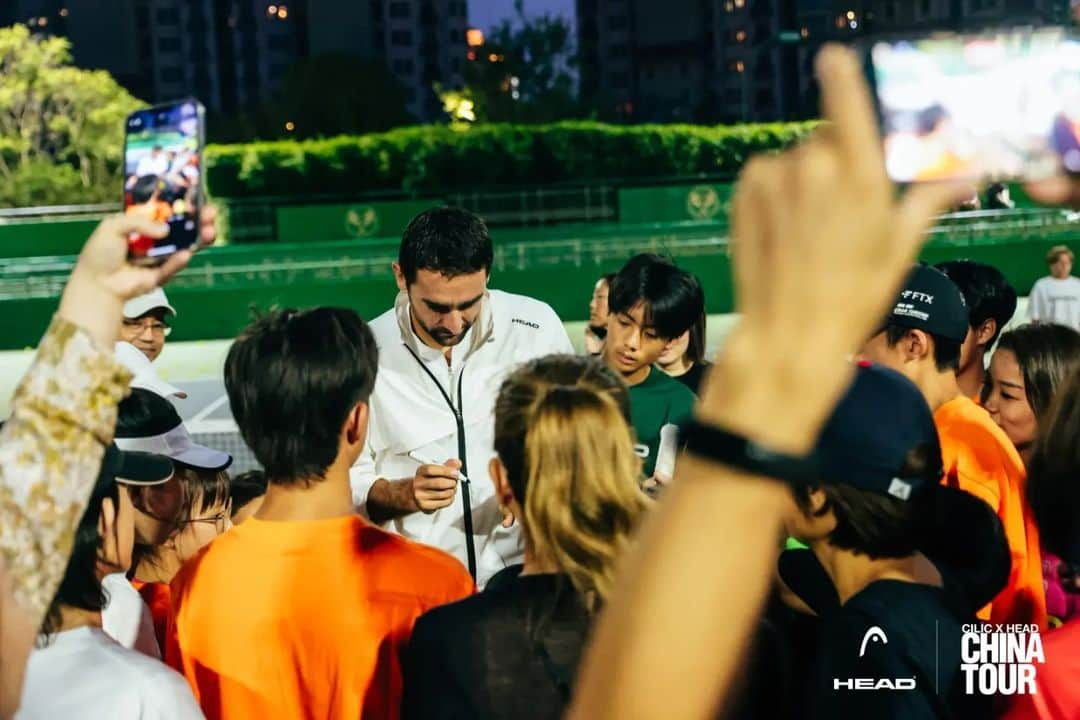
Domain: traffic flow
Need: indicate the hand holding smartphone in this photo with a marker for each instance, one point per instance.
(163, 179)
(999, 105)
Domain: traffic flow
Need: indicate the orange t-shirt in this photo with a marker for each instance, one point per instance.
(305, 619)
(980, 459)
(156, 597)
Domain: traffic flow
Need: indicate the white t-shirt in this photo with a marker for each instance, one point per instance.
(1056, 301)
(83, 674)
(152, 165)
(127, 619)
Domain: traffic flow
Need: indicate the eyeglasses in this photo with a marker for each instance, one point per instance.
(156, 327)
(220, 520)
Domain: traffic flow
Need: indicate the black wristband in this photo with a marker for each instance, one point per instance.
(738, 452)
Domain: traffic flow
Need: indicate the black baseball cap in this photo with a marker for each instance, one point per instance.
(930, 301)
(149, 423)
(134, 468)
(865, 443)
(880, 419)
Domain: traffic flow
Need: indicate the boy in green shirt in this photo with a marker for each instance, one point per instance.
(651, 303)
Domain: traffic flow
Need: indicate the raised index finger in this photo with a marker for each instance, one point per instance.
(848, 109)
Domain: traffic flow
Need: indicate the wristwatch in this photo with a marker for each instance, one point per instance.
(736, 451)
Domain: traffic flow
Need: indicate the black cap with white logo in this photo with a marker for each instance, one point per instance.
(930, 301)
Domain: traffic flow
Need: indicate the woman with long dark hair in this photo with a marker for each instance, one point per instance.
(1028, 368)
(77, 670)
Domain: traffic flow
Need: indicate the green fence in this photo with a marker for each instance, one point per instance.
(307, 223)
(55, 237)
(558, 265)
(705, 202)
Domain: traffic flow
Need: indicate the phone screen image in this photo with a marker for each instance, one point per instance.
(1003, 105)
(162, 176)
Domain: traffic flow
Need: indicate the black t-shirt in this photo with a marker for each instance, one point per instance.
(692, 378)
(919, 630)
(509, 652)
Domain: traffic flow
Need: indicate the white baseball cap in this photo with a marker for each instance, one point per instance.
(146, 376)
(139, 306)
(149, 423)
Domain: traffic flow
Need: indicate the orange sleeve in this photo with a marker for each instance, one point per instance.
(171, 654)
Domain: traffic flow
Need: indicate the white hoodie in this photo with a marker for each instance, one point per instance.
(409, 414)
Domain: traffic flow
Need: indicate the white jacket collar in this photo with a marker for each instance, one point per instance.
(481, 331)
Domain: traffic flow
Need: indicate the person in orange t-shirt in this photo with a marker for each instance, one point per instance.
(921, 338)
(146, 200)
(305, 609)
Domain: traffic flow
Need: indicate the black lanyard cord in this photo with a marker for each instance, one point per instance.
(470, 548)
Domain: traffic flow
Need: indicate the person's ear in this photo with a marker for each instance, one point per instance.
(108, 541)
(399, 277)
(985, 332)
(106, 518)
(356, 424)
(818, 501)
(917, 345)
(501, 479)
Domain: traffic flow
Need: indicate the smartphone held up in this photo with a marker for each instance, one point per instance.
(998, 105)
(163, 180)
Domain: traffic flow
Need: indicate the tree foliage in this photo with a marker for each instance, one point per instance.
(436, 158)
(61, 127)
(524, 72)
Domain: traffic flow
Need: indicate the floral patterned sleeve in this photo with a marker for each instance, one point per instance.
(63, 415)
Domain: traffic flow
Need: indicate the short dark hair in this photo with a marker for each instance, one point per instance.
(1045, 353)
(695, 350)
(672, 297)
(144, 188)
(875, 524)
(946, 350)
(986, 291)
(80, 587)
(1052, 487)
(447, 240)
(292, 378)
(246, 487)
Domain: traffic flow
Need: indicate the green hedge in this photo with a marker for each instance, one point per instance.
(439, 158)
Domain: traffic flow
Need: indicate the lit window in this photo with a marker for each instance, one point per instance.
(805, 32)
(740, 3)
(729, 5)
(63, 12)
(740, 36)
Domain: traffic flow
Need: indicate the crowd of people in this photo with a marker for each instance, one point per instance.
(458, 517)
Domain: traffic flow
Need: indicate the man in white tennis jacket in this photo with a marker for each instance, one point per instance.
(444, 350)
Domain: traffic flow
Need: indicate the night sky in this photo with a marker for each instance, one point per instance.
(486, 13)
